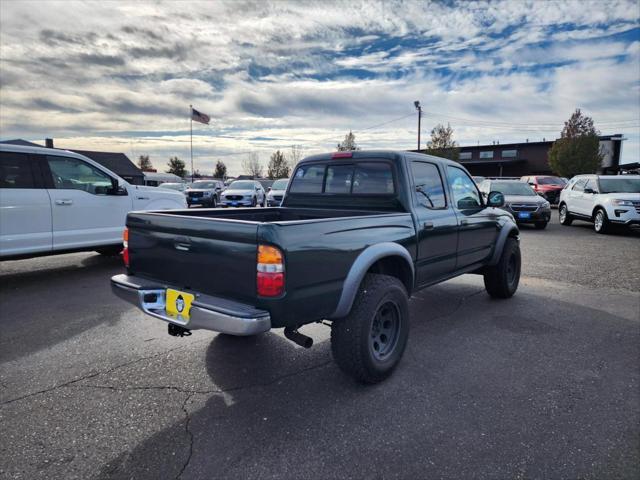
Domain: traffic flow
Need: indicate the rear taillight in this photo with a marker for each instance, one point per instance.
(125, 244)
(270, 271)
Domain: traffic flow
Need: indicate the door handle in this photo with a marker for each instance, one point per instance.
(428, 225)
(142, 198)
(64, 202)
(464, 223)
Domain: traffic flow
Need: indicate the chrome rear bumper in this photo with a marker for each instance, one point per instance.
(207, 312)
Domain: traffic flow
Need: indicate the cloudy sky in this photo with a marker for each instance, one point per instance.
(120, 76)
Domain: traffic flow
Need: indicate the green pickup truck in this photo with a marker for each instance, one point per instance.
(357, 233)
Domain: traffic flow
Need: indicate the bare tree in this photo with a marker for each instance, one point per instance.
(252, 166)
(144, 163)
(442, 143)
(349, 143)
(295, 155)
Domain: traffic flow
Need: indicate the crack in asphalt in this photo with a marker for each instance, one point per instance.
(189, 434)
(192, 392)
(92, 375)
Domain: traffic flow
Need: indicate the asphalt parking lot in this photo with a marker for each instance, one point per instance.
(545, 385)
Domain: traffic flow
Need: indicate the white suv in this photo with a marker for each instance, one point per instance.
(55, 201)
(605, 200)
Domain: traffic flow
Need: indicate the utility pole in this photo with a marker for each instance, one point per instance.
(419, 108)
(191, 131)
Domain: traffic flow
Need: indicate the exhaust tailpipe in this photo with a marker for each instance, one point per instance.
(296, 337)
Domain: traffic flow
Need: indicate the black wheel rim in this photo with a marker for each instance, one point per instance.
(512, 269)
(385, 330)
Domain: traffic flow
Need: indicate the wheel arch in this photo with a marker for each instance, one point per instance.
(509, 230)
(387, 258)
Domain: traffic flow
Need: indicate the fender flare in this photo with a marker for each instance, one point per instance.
(508, 229)
(361, 265)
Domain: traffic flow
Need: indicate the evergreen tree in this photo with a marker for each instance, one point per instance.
(278, 166)
(177, 167)
(220, 171)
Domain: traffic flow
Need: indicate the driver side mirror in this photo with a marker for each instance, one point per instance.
(269, 189)
(117, 189)
(495, 199)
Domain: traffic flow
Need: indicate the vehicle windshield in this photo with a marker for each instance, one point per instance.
(172, 186)
(512, 188)
(280, 184)
(620, 185)
(203, 184)
(242, 185)
(550, 181)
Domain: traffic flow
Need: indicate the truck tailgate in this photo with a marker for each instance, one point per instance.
(211, 256)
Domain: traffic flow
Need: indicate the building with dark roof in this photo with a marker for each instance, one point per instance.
(118, 163)
(529, 158)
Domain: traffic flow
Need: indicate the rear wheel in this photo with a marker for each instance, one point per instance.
(369, 342)
(601, 222)
(564, 215)
(501, 280)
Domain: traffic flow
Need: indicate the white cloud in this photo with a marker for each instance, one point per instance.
(121, 75)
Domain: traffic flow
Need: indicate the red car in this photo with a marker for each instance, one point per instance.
(547, 186)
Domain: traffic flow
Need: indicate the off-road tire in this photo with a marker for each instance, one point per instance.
(501, 280)
(541, 225)
(564, 216)
(353, 336)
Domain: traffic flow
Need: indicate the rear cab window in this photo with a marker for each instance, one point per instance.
(357, 178)
(16, 171)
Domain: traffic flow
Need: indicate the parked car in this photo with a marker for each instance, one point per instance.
(244, 193)
(178, 186)
(605, 200)
(205, 192)
(547, 186)
(275, 192)
(521, 201)
(55, 201)
(348, 253)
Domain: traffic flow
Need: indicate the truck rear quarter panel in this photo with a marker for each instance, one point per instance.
(318, 257)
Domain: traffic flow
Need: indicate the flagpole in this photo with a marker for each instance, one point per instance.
(191, 130)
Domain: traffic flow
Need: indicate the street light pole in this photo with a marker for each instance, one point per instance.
(419, 108)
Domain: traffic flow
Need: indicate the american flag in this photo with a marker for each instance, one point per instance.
(199, 116)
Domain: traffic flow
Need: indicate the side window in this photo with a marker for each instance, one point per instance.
(429, 189)
(592, 184)
(308, 179)
(373, 178)
(74, 174)
(16, 171)
(464, 191)
(339, 178)
(579, 186)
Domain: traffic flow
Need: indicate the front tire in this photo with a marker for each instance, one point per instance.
(501, 280)
(369, 342)
(254, 202)
(564, 216)
(601, 222)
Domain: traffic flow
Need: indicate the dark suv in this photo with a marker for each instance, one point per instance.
(204, 192)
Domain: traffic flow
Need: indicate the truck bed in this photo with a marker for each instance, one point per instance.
(213, 251)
